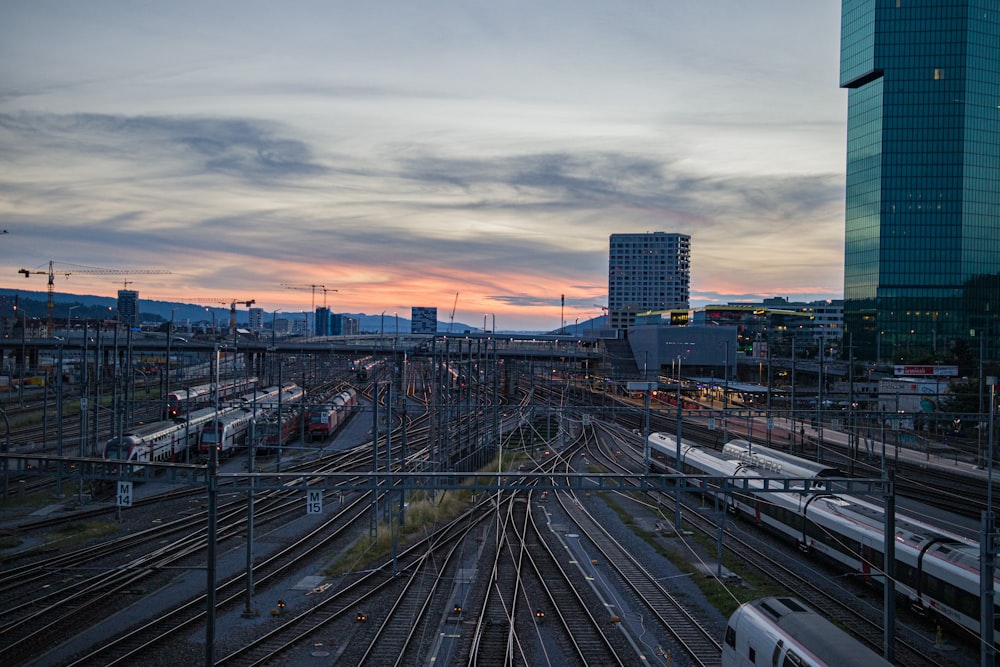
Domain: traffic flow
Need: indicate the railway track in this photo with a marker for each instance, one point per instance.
(801, 580)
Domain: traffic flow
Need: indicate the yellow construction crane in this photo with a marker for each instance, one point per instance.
(313, 288)
(232, 308)
(73, 268)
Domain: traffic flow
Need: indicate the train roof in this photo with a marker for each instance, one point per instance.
(799, 466)
(827, 643)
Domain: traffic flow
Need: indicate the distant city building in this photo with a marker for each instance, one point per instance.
(344, 325)
(922, 255)
(323, 321)
(256, 318)
(128, 307)
(647, 272)
(281, 326)
(423, 320)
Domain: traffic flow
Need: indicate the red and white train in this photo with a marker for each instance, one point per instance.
(284, 419)
(323, 420)
(180, 402)
(231, 430)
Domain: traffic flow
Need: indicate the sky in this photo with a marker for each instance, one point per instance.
(404, 152)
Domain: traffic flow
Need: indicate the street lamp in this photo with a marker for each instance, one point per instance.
(69, 316)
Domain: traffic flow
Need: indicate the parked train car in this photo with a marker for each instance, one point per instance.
(323, 420)
(784, 631)
(937, 571)
(226, 433)
(183, 401)
(159, 441)
(282, 424)
(767, 459)
(260, 401)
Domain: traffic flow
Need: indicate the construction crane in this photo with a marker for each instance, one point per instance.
(93, 270)
(451, 322)
(232, 308)
(313, 288)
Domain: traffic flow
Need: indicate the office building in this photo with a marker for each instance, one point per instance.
(647, 272)
(256, 319)
(128, 307)
(922, 251)
(323, 321)
(423, 320)
(344, 325)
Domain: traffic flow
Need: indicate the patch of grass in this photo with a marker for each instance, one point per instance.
(754, 584)
(9, 541)
(422, 513)
(79, 532)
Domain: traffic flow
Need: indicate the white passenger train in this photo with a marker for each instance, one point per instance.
(936, 571)
(768, 460)
(159, 441)
(783, 631)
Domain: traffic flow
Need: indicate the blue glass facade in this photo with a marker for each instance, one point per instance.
(922, 242)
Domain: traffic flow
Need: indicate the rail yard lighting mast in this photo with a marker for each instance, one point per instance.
(987, 550)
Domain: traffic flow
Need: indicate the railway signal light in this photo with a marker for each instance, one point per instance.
(362, 617)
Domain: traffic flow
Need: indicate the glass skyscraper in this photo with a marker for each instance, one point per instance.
(922, 251)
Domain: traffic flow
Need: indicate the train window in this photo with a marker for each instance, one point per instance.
(752, 655)
(777, 652)
(792, 659)
(731, 636)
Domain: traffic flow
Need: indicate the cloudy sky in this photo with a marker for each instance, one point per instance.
(401, 152)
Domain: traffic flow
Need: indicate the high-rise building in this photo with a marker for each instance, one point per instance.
(423, 320)
(322, 321)
(647, 272)
(256, 319)
(922, 252)
(128, 307)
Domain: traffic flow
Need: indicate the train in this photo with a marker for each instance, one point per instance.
(784, 631)
(226, 433)
(182, 401)
(161, 441)
(323, 420)
(766, 459)
(231, 431)
(937, 572)
(280, 425)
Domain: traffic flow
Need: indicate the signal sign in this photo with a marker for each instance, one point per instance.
(314, 501)
(124, 494)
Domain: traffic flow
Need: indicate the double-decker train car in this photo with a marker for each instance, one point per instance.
(282, 424)
(784, 631)
(937, 571)
(183, 401)
(159, 441)
(323, 420)
(226, 433)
